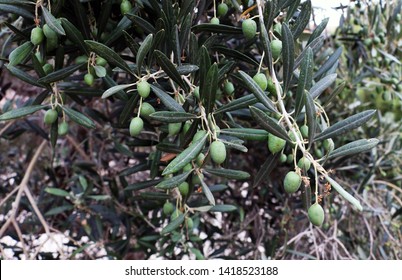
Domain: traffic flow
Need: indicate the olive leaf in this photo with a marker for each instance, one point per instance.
(78, 117)
(346, 125)
(53, 23)
(167, 100)
(20, 53)
(21, 112)
(223, 208)
(354, 147)
(173, 224)
(185, 157)
(172, 117)
(173, 182)
(344, 193)
(228, 173)
(269, 124)
(247, 133)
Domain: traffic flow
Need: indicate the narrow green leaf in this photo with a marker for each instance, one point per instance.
(78, 117)
(74, 35)
(124, 24)
(302, 20)
(24, 76)
(16, 10)
(57, 192)
(19, 54)
(239, 103)
(141, 23)
(113, 90)
(216, 28)
(322, 85)
(205, 65)
(292, 9)
(346, 125)
(344, 193)
(329, 62)
(21, 112)
(315, 45)
(173, 225)
(305, 80)
(354, 147)
(229, 52)
(170, 69)
(132, 45)
(142, 51)
(185, 157)
(128, 109)
(207, 192)
(186, 69)
(208, 92)
(107, 53)
(311, 117)
(173, 182)
(266, 46)
(334, 93)
(37, 66)
(58, 210)
(172, 117)
(228, 173)
(143, 185)
(288, 53)
(223, 208)
(234, 144)
(269, 124)
(53, 23)
(60, 74)
(247, 133)
(266, 169)
(318, 30)
(257, 91)
(167, 100)
(109, 83)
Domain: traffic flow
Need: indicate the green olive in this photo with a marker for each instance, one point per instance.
(37, 35)
(136, 126)
(218, 152)
(292, 182)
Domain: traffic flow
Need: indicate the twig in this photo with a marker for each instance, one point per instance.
(78, 148)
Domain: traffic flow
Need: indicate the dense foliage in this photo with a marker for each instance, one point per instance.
(180, 129)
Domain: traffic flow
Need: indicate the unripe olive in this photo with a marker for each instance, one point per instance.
(101, 61)
(136, 126)
(189, 223)
(199, 135)
(186, 127)
(275, 144)
(62, 129)
(283, 158)
(196, 92)
(168, 208)
(48, 32)
(214, 20)
(271, 87)
(261, 80)
(89, 79)
(81, 59)
(47, 68)
(249, 28)
(187, 167)
(222, 9)
(125, 7)
(184, 188)
(146, 109)
(228, 88)
(316, 214)
(289, 158)
(218, 152)
(304, 131)
(292, 182)
(52, 43)
(276, 48)
(174, 128)
(37, 35)
(329, 145)
(200, 159)
(144, 89)
(304, 163)
(50, 116)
